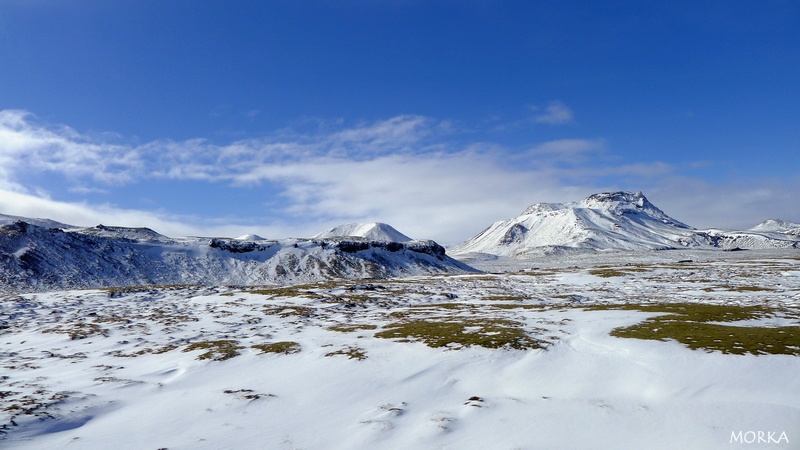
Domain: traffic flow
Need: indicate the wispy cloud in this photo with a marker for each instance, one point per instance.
(570, 151)
(404, 170)
(739, 206)
(392, 135)
(28, 146)
(555, 113)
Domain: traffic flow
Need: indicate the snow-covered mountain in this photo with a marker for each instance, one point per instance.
(35, 258)
(612, 221)
(250, 237)
(374, 231)
(46, 223)
(778, 226)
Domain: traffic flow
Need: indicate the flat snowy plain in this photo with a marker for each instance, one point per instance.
(411, 363)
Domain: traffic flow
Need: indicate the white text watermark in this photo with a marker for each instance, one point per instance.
(759, 437)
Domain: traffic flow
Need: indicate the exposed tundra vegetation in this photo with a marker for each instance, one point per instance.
(513, 339)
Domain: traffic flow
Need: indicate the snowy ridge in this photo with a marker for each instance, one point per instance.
(778, 226)
(612, 221)
(34, 258)
(374, 231)
(5, 219)
(122, 233)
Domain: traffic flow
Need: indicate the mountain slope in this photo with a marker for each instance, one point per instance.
(34, 258)
(5, 219)
(374, 231)
(778, 226)
(606, 221)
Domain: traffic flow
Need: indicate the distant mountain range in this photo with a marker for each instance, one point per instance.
(613, 221)
(42, 254)
(39, 258)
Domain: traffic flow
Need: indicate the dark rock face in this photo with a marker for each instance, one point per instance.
(235, 246)
(514, 234)
(354, 246)
(426, 247)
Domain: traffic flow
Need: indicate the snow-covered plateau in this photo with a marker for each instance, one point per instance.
(690, 349)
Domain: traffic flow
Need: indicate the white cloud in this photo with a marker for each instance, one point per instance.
(393, 134)
(26, 147)
(556, 113)
(40, 205)
(568, 151)
(425, 196)
(401, 171)
(739, 205)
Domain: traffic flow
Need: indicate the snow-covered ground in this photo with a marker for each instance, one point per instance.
(355, 364)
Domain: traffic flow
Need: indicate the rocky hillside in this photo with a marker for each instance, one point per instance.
(36, 258)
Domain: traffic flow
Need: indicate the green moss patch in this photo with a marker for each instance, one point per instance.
(297, 290)
(352, 328)
(283, 347)
(79, 330)
(116, 291)
(609, 272)
(488, 333)
(217, 350)
(290, 311)
(698, 327)
(144, 351)
(504, 298)
(748, 288)
(516, 306)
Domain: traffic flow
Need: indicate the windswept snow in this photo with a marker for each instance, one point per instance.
(313, 367)
(374, 231)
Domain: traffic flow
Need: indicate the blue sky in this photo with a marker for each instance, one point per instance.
(284, 118)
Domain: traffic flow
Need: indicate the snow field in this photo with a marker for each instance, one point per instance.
(126, 380)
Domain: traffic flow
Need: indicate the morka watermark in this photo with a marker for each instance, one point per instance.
(759, 437)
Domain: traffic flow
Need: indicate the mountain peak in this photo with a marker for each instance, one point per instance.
(628, 203)
(250, 237)
(540, 208)
(779, 226)
(374, 231)
(607, 220)
(618, 201)
(609, 200)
